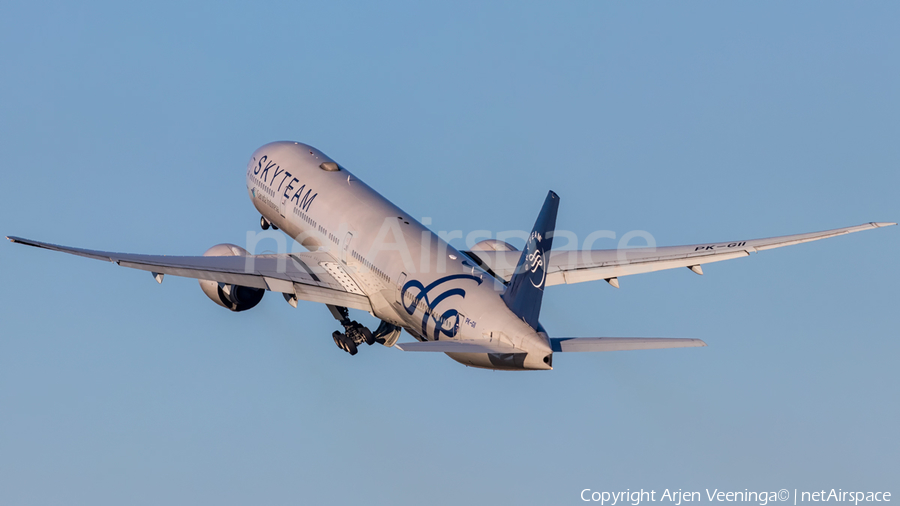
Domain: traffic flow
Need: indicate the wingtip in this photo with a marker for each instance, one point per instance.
(880, 224)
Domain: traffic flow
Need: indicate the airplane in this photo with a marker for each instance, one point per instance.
(480, 307)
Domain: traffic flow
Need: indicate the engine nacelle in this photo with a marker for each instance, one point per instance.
(233, 297)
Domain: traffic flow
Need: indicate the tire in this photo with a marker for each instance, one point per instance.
(352, 349)
(341, 340)
(263, 224)
(370, 339)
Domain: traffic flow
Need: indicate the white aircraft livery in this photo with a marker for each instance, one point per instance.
(480, 307)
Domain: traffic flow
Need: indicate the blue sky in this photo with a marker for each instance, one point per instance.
(127, 127)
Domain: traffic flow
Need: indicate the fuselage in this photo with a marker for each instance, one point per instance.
(412, 277)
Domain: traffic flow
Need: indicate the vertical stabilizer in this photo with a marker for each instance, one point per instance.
(526, 287)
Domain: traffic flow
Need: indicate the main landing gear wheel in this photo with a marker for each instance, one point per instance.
(370, 339)
(263, 223)
(345, 343)
(354, 333)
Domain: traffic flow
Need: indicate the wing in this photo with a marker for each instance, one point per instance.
(309, 276)
(566, 267)
(574, 344)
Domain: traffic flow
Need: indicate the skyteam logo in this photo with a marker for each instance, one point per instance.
(446, 323)
(534, 260)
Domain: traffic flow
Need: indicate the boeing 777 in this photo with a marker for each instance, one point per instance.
(480, 307)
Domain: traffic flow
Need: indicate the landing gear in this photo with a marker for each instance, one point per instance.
(343, 342)
(265, 224)
(354, 333)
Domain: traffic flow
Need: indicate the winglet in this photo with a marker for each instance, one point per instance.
(526, 287)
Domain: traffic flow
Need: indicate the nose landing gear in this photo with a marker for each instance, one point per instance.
(265, 224)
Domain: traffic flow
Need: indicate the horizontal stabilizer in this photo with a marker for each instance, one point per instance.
(459, 347)
(572, 344)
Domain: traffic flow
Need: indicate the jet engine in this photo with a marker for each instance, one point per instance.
(233, 297)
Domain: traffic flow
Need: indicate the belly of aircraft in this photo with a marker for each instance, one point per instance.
(500, 361)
